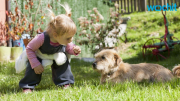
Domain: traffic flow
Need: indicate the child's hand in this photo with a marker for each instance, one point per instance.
(77, 49)
(39, 69)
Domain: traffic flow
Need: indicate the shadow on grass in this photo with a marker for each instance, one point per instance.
(83, 72)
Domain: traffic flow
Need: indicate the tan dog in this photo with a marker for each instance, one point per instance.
(113, 69)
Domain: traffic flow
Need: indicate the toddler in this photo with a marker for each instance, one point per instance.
(57, 38)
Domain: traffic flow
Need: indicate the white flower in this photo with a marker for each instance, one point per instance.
(95, 10)
(89, 11)
(113, 14)
(97, 36)
(116, 5)
(93, 15)
(97, 47)
(100, 16)
(83, 32)
(112, 20)
(97, 26)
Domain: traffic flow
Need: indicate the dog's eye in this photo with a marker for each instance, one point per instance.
(103, 57)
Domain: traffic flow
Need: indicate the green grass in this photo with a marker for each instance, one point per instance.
(143, 24)
(86, 87)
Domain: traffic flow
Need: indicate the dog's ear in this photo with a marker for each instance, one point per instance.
(116, 49)
(117, 59)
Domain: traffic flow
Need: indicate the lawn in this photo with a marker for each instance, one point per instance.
(87, 87)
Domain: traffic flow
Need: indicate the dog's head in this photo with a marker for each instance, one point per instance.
(106, 61)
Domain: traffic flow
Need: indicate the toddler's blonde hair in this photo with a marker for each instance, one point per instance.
(62, 23)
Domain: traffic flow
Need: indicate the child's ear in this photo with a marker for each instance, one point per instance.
(55, 34)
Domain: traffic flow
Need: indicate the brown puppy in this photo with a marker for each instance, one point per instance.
(113, 69)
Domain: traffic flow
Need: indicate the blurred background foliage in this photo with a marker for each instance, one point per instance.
(79, 8)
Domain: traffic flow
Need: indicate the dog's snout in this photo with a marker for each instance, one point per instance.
(94, 65)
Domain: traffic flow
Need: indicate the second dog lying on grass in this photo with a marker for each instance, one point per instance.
(113, 69)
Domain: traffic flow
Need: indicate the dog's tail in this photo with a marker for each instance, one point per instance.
(176, 71)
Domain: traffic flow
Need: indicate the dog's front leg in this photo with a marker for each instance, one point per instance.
(103, 79)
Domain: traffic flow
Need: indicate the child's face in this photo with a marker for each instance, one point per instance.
(65, 39)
